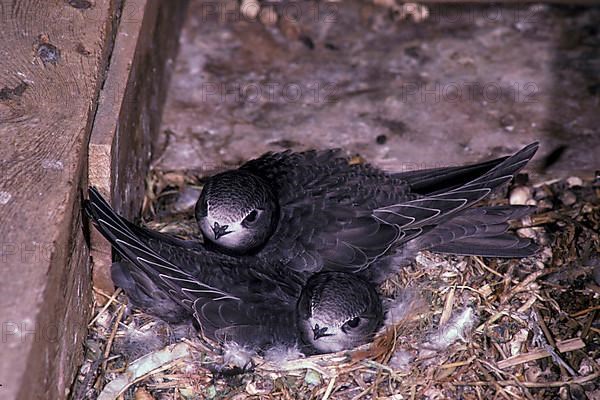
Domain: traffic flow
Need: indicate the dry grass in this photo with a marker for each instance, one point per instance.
(536, 332)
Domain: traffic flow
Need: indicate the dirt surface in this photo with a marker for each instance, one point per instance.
(465, 83)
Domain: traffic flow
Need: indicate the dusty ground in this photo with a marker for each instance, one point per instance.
(462, 85)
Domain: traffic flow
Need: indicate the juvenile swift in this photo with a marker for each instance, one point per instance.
(234, 301)
(316, 211)
(297, 241)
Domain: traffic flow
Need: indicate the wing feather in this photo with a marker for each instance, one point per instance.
(337, 215)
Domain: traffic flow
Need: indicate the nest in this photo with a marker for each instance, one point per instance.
(489, 328)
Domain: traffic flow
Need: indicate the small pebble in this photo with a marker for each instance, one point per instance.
(507, 121)
(381, 139)
(563, 393)
(574, 181)
(520, 195)
(568, 198)
(585, 368)
(5, 197)
(250, 8)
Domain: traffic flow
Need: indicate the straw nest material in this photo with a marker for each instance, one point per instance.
(479, 328)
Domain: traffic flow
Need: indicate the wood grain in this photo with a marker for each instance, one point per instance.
(52, 60)
(129, 113)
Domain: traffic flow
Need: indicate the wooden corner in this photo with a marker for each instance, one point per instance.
(129, 112)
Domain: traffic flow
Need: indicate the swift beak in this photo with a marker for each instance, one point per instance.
(220, 230)
(320, 332)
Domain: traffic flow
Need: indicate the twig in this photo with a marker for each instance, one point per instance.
(502, 373)
(105, 307)
(527, 305)
(143, 367)
(583, 312)
(491, 379)
(88, 380)
(523, 285)
(112, 336)
(329, 388)
(536, 354)
(458, 363)
(482, 264)
(540, 340)
(533, 385)
(588, 324)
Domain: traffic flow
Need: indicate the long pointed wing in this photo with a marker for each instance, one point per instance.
(427, 182)
(436, 208)
(255, 324)
(338, 216)
(182, 286)
(479, 231)
(241, 276)
(256, 307)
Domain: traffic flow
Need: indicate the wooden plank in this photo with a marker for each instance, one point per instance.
(129, 112)
(52, 61)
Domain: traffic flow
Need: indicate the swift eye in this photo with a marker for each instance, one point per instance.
(353, 323)
(251, 217)
(202, 209)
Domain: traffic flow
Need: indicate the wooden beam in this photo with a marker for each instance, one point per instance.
(129, 112)
(52, 63)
